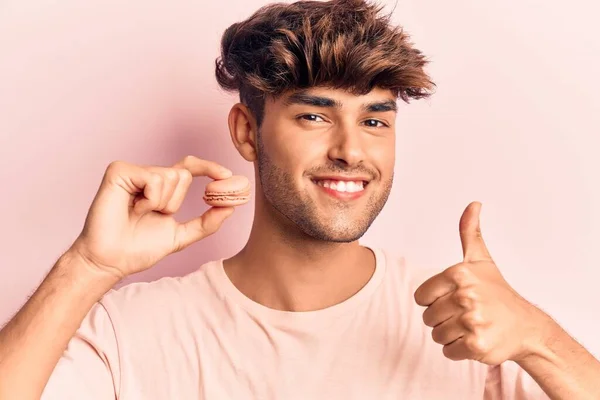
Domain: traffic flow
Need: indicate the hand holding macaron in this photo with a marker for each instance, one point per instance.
(130, 225)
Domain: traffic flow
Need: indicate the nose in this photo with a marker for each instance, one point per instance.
(347, 147)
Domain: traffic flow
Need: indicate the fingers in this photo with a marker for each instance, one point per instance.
(175, 185)
(451, 279)
(201, 227)
(440, 310)
(473, 245)
(456, 302)
(199, 167)
(467, 347)
(456, 350)
(178, 179)
(181, 189)
(161, 189)
(452, 321)
(448, 331)
(133, 180)
(466, 325)
(154, 193)
(433, 288)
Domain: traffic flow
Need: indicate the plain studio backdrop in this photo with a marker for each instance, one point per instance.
(514, 124)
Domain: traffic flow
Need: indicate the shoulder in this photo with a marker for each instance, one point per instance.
(161, 295)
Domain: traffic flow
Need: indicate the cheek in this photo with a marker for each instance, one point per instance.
(288, 147)
(285, 152)
(384, 156)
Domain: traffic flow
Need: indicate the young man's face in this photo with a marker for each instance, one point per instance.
(326, 159)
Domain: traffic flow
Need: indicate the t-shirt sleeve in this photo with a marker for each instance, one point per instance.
(89, 367)
(508, 381)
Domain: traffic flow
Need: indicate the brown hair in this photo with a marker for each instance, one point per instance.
(339, 43)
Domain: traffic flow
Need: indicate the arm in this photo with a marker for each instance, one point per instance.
(561, 366)
(128, 229)
(32, 343)
(477, 315)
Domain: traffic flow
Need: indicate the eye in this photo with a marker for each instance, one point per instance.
(311, 118)
(375, 123)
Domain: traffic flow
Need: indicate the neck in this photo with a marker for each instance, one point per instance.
(284, 269)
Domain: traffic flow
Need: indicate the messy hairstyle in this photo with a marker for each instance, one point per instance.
(342, 44)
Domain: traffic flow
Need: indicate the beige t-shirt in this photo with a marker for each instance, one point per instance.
(198, 337)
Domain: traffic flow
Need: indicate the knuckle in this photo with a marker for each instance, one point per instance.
(155, 179)
(189, 159)
(199, 230)
(154, 188)
(114, 167)
(208, 229)
(459, 274)
(465, 297)
(471, 320)
(185, 176)
(477, 344)
(171, 174)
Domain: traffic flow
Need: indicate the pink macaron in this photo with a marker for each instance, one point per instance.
(233, 191)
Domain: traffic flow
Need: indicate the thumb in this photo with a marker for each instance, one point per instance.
(474, 248)
(201, 227)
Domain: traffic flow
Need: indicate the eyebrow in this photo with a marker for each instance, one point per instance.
(326, 102)
(381, 106)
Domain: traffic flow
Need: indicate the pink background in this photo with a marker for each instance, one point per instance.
(514, 124)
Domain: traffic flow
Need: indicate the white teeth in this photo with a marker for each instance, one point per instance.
(342, 186)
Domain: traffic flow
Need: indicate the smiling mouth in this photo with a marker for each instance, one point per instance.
(342, 186)
(342, 189)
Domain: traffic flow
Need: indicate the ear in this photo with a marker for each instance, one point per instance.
(243, 129)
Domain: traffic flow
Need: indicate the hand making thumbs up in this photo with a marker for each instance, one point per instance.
(474, 312)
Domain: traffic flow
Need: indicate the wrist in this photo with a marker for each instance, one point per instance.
(536, 345)
(84, 274)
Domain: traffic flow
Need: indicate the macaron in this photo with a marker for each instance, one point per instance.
(233, 191)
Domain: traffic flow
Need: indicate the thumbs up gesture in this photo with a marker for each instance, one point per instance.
(474, 312)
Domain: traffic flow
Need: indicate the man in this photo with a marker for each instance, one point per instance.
(302, 311)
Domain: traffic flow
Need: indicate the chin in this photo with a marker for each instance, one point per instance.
(344, 239)
(329, 234)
